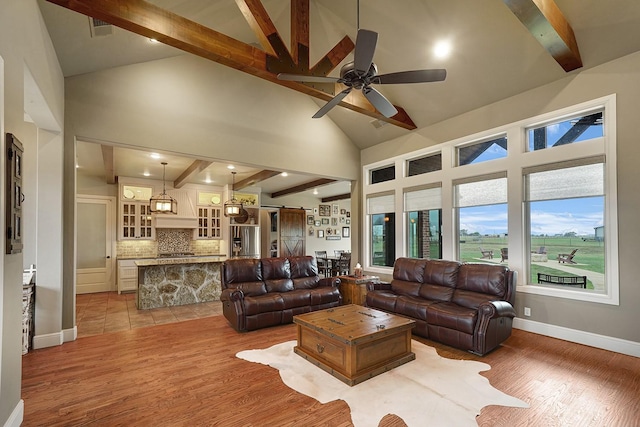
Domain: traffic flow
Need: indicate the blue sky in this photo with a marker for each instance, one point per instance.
(549, 217)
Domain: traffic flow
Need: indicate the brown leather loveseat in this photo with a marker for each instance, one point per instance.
(257, 293)
(464, 305)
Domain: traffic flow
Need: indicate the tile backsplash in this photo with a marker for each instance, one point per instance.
(167, 240)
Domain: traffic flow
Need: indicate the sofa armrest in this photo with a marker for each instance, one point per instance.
(332, 282)
(493, 309)
(381, 286)
(231, 295)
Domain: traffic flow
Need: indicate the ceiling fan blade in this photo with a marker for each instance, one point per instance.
(379, 101)
(365, 47)
(307, 79)
(329, 105)
(416, 76)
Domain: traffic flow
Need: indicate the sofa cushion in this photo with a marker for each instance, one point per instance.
(296, 298)
(452, 316)
(324, 295)
(414, 307)
(442, 273)
(303, 266)
(409, 269)
(384, 300)
(478, 283)
(277, 274)
(263, 304)
(251, 289)
(241, 270)
(402, 287)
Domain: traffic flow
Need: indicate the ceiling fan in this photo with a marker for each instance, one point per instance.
(362, 73)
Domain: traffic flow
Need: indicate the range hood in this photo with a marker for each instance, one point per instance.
(186, 217)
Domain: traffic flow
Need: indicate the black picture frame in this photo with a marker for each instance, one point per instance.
(324, 210)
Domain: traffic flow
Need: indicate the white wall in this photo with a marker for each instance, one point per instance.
(24, 45)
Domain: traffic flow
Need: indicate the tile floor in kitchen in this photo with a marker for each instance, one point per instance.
(106, 312)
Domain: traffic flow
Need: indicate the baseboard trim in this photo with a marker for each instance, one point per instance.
(47, 340)
(70, 334)
(604, 342)
(17, 415)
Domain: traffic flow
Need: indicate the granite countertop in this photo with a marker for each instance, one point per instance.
(181, 260)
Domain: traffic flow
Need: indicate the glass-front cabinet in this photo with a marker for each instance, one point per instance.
(209, 215)
(135, 219)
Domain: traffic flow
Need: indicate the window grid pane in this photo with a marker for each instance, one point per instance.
(576, 129)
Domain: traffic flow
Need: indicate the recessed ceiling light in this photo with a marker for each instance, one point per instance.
(208, 181)
(284, 174)
(442, 49)
(153, 41)
(154, 155)
(231, 167)
(146, 173)
(315, 191)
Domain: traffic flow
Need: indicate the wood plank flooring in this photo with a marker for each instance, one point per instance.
(186, 374)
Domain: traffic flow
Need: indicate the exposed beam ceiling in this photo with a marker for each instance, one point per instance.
(109, 164)
(194, 169)
(254, 179)
(150, 21)
(302, 187)
(546, 22)
(338, 197)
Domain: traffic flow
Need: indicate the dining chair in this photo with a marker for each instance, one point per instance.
(337, 253)
(342, 265)
(323, 263)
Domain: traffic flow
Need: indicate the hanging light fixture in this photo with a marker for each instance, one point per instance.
(163, 203)
(232, 207)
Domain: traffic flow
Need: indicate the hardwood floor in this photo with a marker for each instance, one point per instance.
(186, 374)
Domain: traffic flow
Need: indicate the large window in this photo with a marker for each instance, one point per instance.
(478, 152)
(382, 230)
(424, 222)
(481, 205)
(577, 129)
(566, 205)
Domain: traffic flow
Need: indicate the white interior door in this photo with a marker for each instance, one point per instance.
(94, 244)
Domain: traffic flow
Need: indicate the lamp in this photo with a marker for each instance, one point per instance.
(163, 203)
(232, 207)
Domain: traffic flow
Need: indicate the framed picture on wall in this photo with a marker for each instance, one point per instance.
(325, 221)
(336, 209)
(343, 211)
(310, 219)
(346, 232)
(348, 221)
(325, 210)
(320, 234)
(334, 221)
(317, 223)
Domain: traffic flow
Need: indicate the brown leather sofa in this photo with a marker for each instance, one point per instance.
(464, 305)
(257, 293)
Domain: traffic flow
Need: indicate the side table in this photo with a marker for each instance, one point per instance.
(354, 289)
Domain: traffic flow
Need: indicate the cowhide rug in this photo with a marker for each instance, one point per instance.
(430, 390)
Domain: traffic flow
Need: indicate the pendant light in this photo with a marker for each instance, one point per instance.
(163, 203)
(232, 207)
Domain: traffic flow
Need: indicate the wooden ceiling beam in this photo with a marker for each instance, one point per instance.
(194, 169)
(148, 20)
(338, 197)
(254, 179)
(302, 187)
(109, 163)
(546, 22)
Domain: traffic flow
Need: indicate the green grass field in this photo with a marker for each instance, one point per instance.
(590, 255)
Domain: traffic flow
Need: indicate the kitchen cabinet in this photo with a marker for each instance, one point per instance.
(127, 275)
(209, 222)
(135, 221)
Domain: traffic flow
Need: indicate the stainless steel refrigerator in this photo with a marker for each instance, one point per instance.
(245, 241)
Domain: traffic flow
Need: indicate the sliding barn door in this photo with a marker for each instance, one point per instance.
(292, 232)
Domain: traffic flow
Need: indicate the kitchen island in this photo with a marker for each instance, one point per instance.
(167, 282)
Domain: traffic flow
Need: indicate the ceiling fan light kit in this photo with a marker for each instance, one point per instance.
(163, 203)
(233, 208)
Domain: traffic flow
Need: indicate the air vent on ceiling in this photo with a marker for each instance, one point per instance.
(100, 28)
(377, 123)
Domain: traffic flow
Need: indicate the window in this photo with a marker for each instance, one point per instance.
(482, 151)
(577, 129)
(481, 206)
(426, 164)
(383, 174)
(565, 204)
(424, 222)
(382, 232)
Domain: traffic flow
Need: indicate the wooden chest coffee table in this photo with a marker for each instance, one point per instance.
(354, 343)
